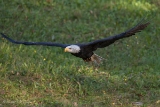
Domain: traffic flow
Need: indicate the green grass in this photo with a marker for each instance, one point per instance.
(46, 76)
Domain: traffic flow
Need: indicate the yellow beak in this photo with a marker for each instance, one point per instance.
(66, 50)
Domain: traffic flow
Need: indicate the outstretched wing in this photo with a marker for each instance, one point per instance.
(35, 43)
(92, 46)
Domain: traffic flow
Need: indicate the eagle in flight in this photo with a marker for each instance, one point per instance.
(85, 50)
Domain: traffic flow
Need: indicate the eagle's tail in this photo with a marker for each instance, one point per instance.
(96, 59)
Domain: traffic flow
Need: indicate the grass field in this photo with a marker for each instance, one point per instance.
(46, 76)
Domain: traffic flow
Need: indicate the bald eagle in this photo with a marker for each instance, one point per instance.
(85, 50)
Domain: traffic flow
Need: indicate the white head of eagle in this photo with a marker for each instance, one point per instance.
(72, 49)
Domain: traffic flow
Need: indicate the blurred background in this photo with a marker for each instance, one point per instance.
(46, 76)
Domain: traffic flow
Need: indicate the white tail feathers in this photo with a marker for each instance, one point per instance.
(97, 59)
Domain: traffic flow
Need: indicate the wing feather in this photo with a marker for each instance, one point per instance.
(35, 43)
(92, 46)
